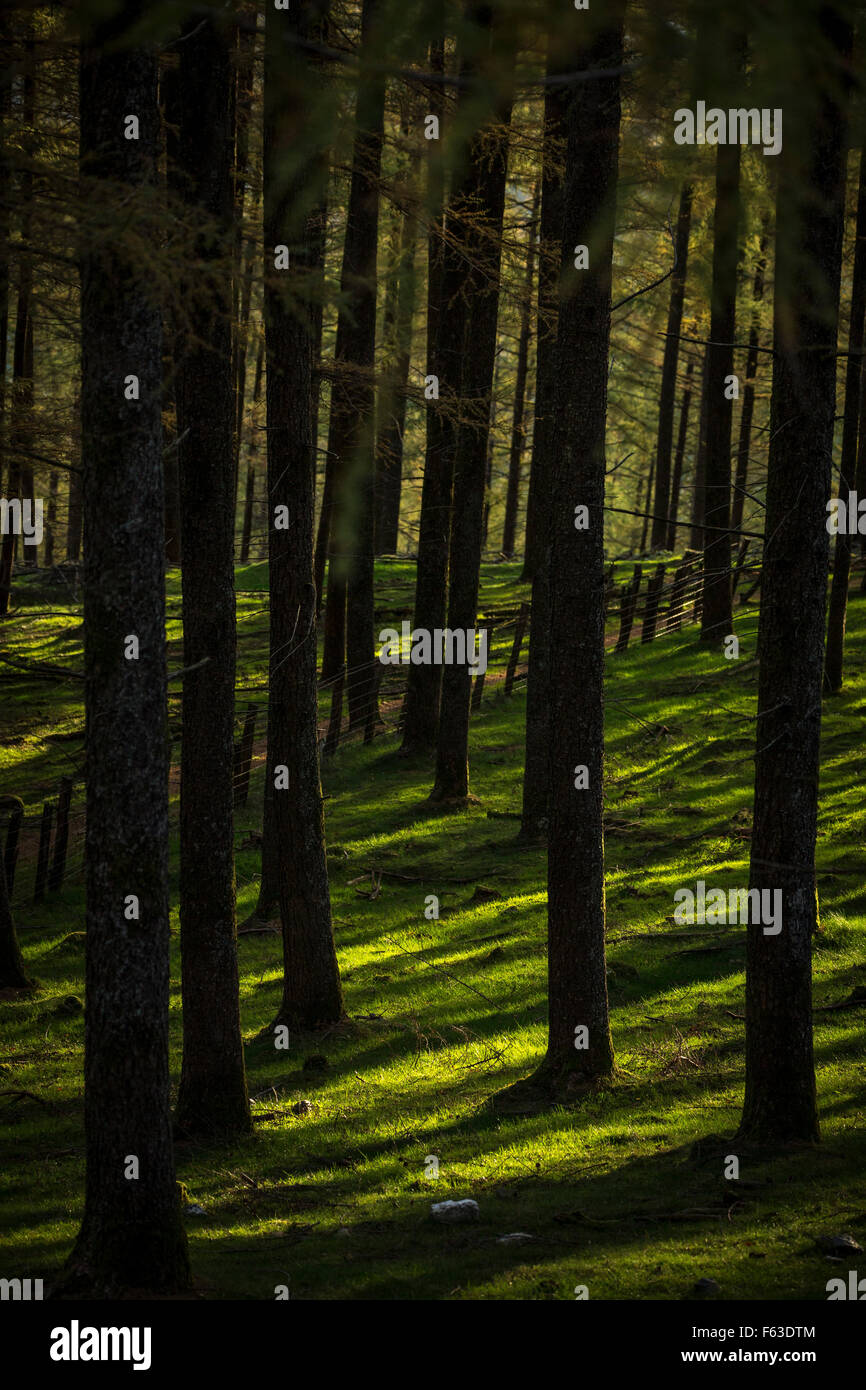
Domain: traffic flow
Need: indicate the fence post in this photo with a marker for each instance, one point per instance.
(609, 586)
(628, 604)
(654, 590)
(61, 836)
(674, 620)
(44, 849)
(513, 659)
(478, 685)
(738, 567)
(245, 756)
(13, 831)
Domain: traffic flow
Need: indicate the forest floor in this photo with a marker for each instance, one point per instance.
(626, 1191)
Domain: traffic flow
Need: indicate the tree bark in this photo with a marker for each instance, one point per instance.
(665, 437)
(13, 972)
(673, 507)
(424, 682)
(349, 633)
(744, 442)
(534, 817)
(170, 97)
(132, 1236)
(780, 1102)
(312, 996)
(518, 430)
(468, 355)
(577, 984)
(696, 538)
(717, 614)
(848, 464)
(397, 344)
(212, 1099)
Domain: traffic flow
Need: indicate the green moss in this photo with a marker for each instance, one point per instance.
(440, 1021)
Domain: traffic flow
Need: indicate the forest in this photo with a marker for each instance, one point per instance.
(432, 653)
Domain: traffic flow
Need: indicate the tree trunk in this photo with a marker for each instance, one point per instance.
(580, 1050)
(22, 434)
(534, 818)
(132, 1236)
(780, 1102)
(5, 202)
(13, 972)
(424, 682)
(717, 614)
(517, 421)
(696, 538)
(212, 1099)
(744, 443)
(312, 995)
(674, 505)
(665, 437)
(397, 344)
(471, 277)
(170, 96)
(351, 438)
(848, 464)
(242, 105)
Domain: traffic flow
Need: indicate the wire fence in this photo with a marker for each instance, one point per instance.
(49, 845)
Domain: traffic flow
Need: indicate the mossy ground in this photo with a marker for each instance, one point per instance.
(444, 1014)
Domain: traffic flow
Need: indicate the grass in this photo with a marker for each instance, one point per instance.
(626, 1192)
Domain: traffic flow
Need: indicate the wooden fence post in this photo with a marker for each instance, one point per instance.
(651, 608)
(61, 836)
(13, 833)
(44, 849)
(478, 685)
(627, 606)
(513, 659)
(244, 756)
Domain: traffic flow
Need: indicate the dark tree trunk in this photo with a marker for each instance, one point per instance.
(13, 973)
(397, 343)
(252, 454)
(780, 1102)
(853, 377)
(534, 818)
(5, 203)
(674, 506)
(312, 996)
(545, 348)
(22, 435)
(51, 518)
(242, 104)
(665, 437)
(577, 985)
(744, 442)
(515, 457)
(170, 96)
(423, 683)
(696, 538)
(74, 519)
(132, 1236)
(212, 1098)
(471, 279)
(717, 614)
(351, 438)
